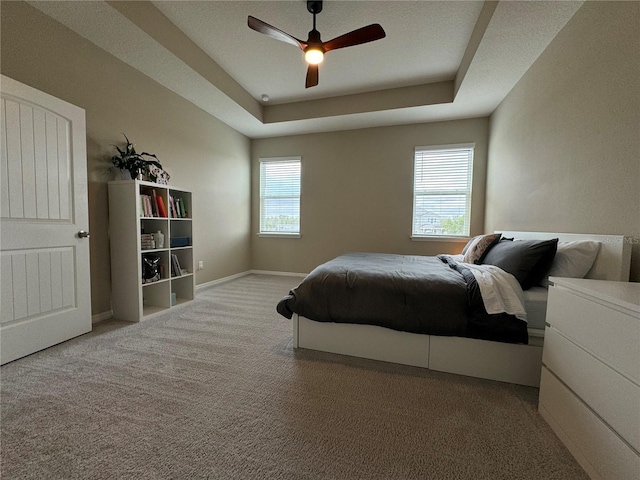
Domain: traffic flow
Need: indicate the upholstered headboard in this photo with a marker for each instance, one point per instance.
(614, 257)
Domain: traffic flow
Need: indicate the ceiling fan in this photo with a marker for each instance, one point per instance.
(314, 48)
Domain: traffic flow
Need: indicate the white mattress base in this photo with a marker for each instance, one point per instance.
(535, 303)
(505, 362)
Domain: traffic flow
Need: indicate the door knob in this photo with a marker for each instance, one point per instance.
(83, 234)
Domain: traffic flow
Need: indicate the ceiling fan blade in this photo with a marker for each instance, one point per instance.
(312, 76)
(273, 32)
(356, 37)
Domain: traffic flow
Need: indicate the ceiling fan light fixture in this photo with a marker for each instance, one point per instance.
(313, 56)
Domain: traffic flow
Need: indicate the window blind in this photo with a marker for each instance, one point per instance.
(280, 195)
(442, 190)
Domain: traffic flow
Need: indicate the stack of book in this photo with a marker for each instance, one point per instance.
(146, 241)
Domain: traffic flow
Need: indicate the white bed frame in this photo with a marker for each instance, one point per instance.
(512, 363)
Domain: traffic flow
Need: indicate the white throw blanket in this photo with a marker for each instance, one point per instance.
(500, 290)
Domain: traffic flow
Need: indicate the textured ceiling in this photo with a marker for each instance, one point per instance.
(439, 60)
(425, 43)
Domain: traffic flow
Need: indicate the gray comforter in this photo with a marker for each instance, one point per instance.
(418, 294)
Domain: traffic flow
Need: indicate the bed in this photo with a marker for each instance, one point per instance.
(509, 360)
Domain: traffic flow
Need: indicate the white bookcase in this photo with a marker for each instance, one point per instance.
(132, 298)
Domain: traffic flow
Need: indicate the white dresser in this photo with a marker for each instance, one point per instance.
(590, 386)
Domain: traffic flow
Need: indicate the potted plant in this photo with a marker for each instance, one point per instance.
(134, 162)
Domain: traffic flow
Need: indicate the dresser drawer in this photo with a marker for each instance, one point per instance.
(596, 447)
(605, 332)
(613, 397)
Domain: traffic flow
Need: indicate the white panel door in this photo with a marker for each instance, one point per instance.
(45, 283)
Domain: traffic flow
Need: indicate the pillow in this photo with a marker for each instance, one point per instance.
(479, 246)
(466, 247)
(574, 259)
(527, 260)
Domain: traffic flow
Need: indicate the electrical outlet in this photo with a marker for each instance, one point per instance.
(201, 265)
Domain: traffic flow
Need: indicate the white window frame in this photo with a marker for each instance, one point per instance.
(467, 192)
(262, 232)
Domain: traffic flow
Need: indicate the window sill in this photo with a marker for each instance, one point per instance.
(416, 238)
(278, 234)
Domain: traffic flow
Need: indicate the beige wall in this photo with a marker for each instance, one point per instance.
(564, 150)
(357, 189)
(201, 153)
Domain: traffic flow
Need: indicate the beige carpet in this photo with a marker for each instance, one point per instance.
(214, 390)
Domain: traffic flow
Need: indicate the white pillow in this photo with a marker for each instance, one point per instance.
(574, 259)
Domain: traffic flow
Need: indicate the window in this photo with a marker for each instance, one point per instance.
(442, 191)
(280, 196)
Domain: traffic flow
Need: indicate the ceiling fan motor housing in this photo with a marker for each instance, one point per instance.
(314, 41)
(314, 7)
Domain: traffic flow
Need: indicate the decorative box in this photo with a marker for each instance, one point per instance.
(180, 242)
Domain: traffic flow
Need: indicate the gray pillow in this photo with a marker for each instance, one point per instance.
(527, 260)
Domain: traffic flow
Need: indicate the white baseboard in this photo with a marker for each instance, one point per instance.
(100, 317)
(285, 274)
(213, 283)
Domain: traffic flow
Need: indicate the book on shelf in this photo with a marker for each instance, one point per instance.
(154, 203)
(145, 205)
(161, 210)
(172, 207)
(181, 210)
(175, 266)
(177, 208)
